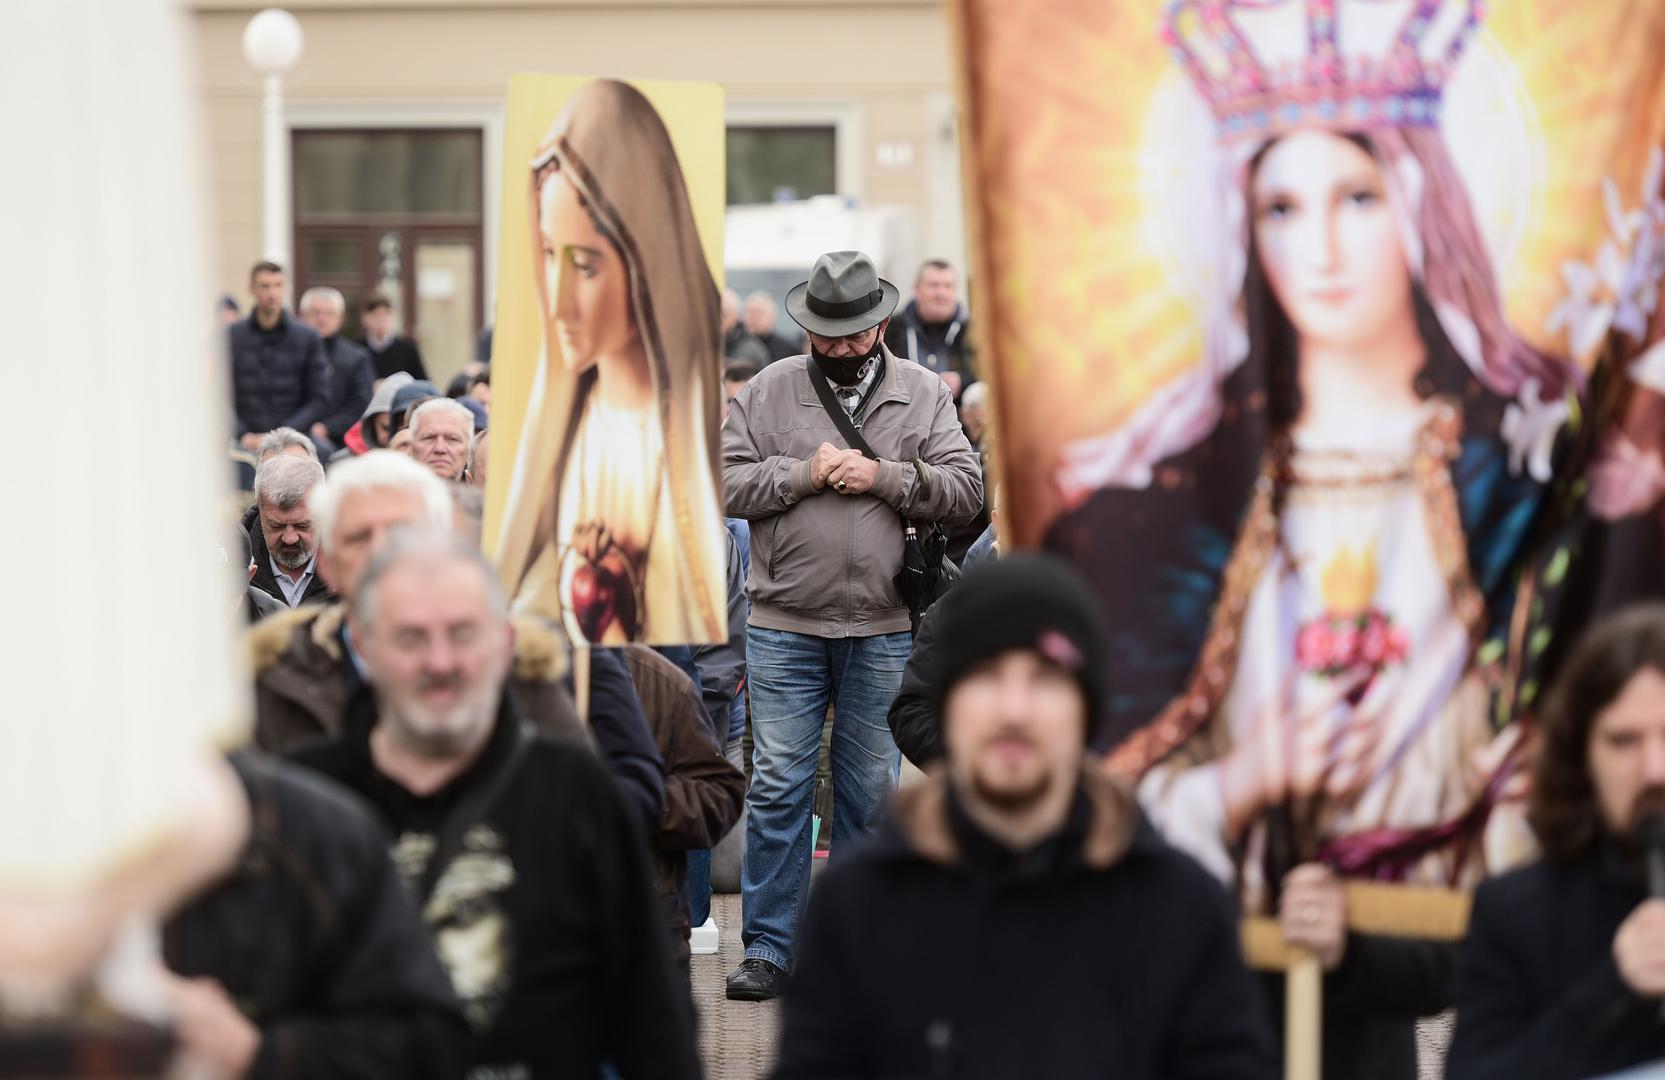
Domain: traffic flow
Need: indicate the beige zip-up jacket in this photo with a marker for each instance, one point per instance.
(822, 563)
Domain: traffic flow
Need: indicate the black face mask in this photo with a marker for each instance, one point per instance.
(845, 370)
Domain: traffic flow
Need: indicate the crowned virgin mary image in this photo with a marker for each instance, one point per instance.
(613, 524)
(1304, 539)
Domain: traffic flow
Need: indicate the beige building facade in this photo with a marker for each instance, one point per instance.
(394, 116)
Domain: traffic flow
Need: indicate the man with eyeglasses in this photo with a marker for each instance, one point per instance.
(827, 522)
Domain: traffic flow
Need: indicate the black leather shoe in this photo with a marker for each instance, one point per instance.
(755, 980)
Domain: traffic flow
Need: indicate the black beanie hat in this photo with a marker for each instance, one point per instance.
(1032, 602)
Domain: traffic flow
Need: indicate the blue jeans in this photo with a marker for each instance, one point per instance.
(793, 677)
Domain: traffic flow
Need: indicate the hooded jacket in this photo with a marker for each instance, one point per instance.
(935, 951)
(823, 563)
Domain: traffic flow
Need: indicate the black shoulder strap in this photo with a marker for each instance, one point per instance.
(471, 808)
(840, 418)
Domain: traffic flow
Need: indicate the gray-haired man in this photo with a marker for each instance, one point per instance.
(286, 569)
(352, 376)
(526, 860)
(441, 431)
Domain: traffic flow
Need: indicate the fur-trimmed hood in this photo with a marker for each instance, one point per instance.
(919, 818)
(303, 684)
(315, 629)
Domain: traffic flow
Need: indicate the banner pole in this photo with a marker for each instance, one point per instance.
(581, 681)
(1303, 1017)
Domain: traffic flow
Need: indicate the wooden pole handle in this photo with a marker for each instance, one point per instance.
(581, 681)
(1303, 1017)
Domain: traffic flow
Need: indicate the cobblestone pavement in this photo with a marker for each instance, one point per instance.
(737, 1038)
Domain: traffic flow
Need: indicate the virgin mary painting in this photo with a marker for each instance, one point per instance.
(1304, 541)
(613, 525)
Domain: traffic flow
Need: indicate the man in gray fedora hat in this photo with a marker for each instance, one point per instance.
(830, 457)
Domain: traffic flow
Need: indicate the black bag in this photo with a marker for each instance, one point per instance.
(926, 572)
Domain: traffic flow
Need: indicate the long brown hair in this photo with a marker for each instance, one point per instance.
(1562, 809)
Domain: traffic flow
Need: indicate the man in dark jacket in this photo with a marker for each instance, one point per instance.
(352, 377)
(528, 864)
(1016, 916)
(287, 567)
(279, 377)
(310, 960)
(934, 330)
(1563, 970)
(703, 792)
(390, 352)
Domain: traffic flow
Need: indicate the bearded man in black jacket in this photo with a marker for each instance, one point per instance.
(1016, 916)
(1563, 971)
(530, 867)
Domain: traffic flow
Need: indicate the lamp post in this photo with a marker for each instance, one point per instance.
(272, 44)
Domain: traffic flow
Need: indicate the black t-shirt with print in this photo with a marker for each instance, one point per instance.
(546, 919)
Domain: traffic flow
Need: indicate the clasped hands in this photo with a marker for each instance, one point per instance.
(846, 471)
(1312, 913)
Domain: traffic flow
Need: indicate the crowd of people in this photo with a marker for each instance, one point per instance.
(471, 859)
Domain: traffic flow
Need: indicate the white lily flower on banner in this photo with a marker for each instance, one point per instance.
(1530, 425)
(1638, 294)
(1620, 290)
(1587, 312)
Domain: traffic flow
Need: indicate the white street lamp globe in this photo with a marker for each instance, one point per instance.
(272, 41)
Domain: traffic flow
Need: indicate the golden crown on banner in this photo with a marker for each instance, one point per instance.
(1268, 66)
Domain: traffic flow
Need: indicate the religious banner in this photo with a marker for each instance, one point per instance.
(1324, 341)
(605, 360)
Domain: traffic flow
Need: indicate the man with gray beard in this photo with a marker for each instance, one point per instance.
(282, 487)
(529, 866)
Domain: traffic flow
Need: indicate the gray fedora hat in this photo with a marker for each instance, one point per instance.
(844, 295)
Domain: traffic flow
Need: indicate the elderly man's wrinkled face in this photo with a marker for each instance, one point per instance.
(437, 652)
(441, 443)
(1627, 751)
(362, 524)
(323, 316)
(1014, 728)
(288, 534)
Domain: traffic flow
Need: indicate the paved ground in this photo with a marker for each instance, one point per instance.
(737, 1038)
